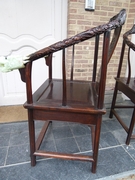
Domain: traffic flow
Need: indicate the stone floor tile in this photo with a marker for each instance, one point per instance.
(3, 154)
(6, 128)
(107, 139)
(67, 145)
(19, 138)
(120, 135)
(80, 129)
(4, 139)
(18, 154)
(84, 142)
(62, 132)
(113, 124)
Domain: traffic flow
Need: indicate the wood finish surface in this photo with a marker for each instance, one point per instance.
(71, 100)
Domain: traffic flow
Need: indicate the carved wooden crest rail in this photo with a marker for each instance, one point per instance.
(115, 22)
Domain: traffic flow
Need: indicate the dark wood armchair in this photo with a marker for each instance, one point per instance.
(126, 85)
(68, 99)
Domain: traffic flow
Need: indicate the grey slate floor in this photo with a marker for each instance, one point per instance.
(114, 156)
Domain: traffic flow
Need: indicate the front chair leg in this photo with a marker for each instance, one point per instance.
(96, 144)
(31, 125)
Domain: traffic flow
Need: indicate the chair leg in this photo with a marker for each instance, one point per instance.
(96, 143)
(114, 100)
(131, 128)
(31, 137)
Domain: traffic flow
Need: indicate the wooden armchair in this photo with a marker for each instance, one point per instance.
(68, 99)
(126, 85)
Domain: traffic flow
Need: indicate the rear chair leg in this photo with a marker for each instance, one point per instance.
(113, 101)
(131, 128)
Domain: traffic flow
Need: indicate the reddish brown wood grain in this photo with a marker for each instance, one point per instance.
(71, 100)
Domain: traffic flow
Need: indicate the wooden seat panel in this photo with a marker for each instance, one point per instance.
(81, 96)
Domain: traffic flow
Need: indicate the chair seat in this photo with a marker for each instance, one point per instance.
(67, 99)
(123, 80)
(49, 95)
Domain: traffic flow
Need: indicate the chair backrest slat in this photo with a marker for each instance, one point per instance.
(121, 59)
(95, 58)
(129, 67)
(102, 82)
(64, 98)
(72, 63)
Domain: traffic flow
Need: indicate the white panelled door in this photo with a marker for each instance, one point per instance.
(27, 26)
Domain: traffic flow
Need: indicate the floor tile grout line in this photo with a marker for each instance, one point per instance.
(33, 178)
(74, 138)
(26, 162)
(53, 158)
(18, 144)
(112, 135)
(15, 145)
(83, 152)
(76, 143)
(129, 154)
(54, 140)
(38, 160)
(44, 159)
(6, 156)
(7, 149)
(110, 147)
(116, 138)
(16, 164)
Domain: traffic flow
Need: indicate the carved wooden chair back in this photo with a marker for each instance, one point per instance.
(125, 84)
(69, 99)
